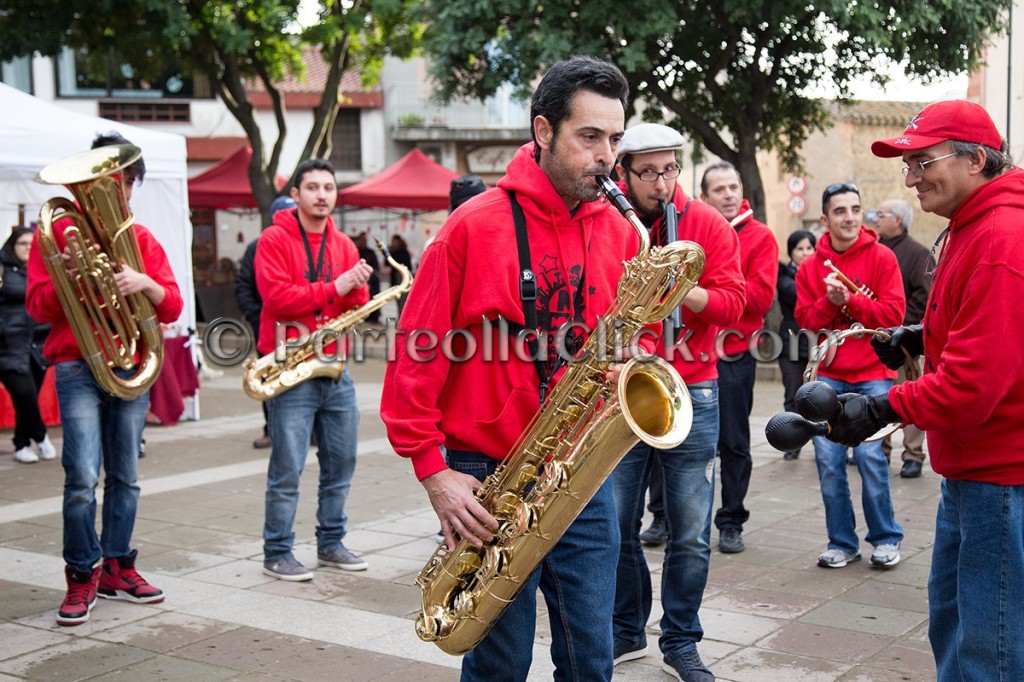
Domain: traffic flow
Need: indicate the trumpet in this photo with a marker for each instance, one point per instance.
(850, 284)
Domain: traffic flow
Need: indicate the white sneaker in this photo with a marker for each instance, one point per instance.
(26, 455)
(46, 449)
(885, 556)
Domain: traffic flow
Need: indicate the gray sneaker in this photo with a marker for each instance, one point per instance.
(885, 556)
(287, 568)
(837, 558)
(342, 558)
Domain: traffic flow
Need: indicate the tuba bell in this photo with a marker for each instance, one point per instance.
(111, 329)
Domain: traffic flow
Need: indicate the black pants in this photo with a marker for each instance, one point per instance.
(24, 391)
(735, 401)
(792, 379)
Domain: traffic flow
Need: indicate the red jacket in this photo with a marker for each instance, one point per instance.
(44, 306)
(866, 263)
(759, 262)
(971, 397)
(469, 274)
(282, 264)
(694, 356)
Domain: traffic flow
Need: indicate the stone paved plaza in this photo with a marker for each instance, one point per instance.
(769, 614)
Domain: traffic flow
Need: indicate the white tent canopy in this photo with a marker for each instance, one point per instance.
(34, 133)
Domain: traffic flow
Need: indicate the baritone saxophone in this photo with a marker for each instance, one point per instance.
(268, 376)
(586, 426)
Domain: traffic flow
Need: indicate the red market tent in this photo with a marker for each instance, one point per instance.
(415, 182)
(226, 185)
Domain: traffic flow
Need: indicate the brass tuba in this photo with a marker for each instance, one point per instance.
(110, 328)
(571, 446)
(267, 376)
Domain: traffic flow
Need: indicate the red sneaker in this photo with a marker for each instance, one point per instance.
(80, 598)
(120, 580)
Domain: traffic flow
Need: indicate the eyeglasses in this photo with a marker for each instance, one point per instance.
(883, 214)
(653, 175)
(838, 188)
(933, 260)
(917, 169)
(28, 243)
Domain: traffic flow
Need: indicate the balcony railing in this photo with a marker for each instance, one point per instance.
(410, 105)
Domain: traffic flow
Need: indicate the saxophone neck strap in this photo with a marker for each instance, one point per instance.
(528, 293)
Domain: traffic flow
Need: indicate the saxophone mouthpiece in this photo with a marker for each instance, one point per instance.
(613, 193)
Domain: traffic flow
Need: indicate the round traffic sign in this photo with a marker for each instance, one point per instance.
(796, 184)
(797, 205)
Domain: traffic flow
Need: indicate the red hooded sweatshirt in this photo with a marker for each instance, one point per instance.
(971, 397)
(44, 306)
(282, 268)
(693, 354)
(869, 264)
(759, 262)
(455, 387)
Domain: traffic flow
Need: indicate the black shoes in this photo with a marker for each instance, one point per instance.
(730, 541)
(911, 469)
(656, 534)
(791, 455)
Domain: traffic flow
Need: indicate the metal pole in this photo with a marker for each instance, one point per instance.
(1009, 77)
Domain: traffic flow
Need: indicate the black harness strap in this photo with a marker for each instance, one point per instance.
(528, 294)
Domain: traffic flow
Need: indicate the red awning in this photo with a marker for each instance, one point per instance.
(226, 185)
(415, 181)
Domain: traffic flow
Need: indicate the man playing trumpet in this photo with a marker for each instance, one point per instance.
(836, 288)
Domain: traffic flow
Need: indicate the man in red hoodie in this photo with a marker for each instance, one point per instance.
(458, 382)
(722, 188)
(970, 399)
(824, 302)
(648, 167)
(99, 428)
(308, 273)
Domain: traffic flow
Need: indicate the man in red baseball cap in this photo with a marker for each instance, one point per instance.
(970, 399)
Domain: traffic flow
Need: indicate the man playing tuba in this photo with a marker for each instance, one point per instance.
(99, 427)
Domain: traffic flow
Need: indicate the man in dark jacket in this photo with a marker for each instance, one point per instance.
(250, 303)
(892, 220)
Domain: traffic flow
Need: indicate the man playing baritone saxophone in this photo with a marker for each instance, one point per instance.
(99, 428)
(823, 301)
(647, 168)
(308, 273)
(476, 403)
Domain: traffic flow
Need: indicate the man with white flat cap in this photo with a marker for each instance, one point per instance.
(647, 168)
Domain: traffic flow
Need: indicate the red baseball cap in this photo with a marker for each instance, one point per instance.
(954, 119)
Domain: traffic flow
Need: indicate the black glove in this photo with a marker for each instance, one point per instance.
(862, 415)
(907, 338)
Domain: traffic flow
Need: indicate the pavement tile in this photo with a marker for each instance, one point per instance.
(879, 593)
(346, 663)
(76, 659)
(737, 628)
(166, 669)
(841, 645)
(864, 618)
(21, 600)
(21, 639)
(165, 632)
(402, 601)
(758, 665)
(761, 602)
(180, 562)
(246, 648)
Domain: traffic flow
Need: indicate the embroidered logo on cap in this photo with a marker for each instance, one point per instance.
(902, 140)
(913, 122)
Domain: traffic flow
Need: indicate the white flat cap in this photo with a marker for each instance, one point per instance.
(649, 137)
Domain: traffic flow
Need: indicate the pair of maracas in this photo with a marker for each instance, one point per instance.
(817, 404)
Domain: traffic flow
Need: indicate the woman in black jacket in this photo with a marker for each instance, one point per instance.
(799, 245)
(22, 365)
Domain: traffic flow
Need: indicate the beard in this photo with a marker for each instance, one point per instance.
(570, 182)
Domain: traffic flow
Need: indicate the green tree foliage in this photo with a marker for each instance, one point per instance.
(736, 75)
(232, 44)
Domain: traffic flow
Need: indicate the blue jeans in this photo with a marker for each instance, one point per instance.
(874, 473)
(976, 586)
(327, 409)
(98, 428)
(574, 579)
(688, 472)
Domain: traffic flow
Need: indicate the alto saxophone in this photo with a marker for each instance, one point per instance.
(571, 446)
(268, 377)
